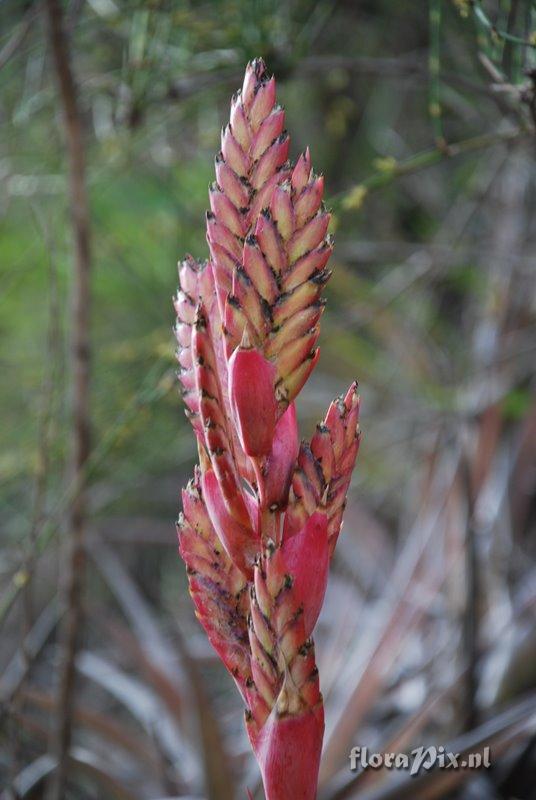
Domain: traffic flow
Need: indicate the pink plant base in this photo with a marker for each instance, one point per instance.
(288, 751)
(262, 514)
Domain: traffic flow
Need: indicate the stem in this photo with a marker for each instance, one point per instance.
(506, 36)
(353, 198)
(434, 66)
(52, 362)
(470, 619)
(12, 45)
(80, 356)
(508, 50)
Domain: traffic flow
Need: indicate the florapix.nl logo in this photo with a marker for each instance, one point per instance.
(419, 759)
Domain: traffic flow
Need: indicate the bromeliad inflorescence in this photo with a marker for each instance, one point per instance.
(262, 514)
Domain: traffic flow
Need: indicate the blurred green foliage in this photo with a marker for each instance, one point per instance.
(154, 85)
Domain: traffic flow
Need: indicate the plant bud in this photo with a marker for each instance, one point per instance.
(252, 398)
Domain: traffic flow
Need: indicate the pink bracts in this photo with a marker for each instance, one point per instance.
(262, 514)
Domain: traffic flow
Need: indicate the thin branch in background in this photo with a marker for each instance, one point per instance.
(12, 45)
(51, 373)
(80, 355)
(390, 168)
(497, 33)
(470, 617)
(405, 65)
(434, 67)
(508, 51)
(16, 671)
(527, 30)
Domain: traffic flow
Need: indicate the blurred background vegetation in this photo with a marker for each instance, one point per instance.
(421, 117)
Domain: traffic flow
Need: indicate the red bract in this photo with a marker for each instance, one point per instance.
(262, 515)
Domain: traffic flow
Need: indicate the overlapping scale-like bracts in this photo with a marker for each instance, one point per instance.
(262, 514)
(289, 715)
(219, 590)
(252, 161)
(325, 467)
(280, 640)
(276, 289)
(203, 376)
(267, 234)
(195, 284)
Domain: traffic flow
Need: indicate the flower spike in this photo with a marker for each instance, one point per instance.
(263, 512)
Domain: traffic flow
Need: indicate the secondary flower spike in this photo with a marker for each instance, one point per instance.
(263, 512)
